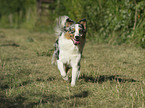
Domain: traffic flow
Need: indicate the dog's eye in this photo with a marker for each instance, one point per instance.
(73, 30)
(81, 31)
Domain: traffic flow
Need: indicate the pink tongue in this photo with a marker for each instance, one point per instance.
(76, 42)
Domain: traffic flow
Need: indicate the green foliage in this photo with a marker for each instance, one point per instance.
(138, 34)
(12, 6)
(108, 21)
(111, 21)
(17, 13)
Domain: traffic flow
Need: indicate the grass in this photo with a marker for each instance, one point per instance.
(111, 76)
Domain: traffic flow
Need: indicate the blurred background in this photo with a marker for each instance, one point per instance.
(112, 65)
(109, 21)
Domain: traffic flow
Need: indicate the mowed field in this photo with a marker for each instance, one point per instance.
(111, 76)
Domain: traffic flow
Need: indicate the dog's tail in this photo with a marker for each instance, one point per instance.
(59, 28)
(60, 24)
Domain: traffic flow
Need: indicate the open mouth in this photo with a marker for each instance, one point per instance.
(76, 42)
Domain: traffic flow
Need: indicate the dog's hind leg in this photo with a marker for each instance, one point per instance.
(53, 60)
(56, 53)
(61, 68)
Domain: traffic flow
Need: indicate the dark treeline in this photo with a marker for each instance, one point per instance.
(109, 21)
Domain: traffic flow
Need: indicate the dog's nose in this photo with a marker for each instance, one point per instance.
(77, 37)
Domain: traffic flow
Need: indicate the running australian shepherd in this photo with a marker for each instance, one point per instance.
(69, 46)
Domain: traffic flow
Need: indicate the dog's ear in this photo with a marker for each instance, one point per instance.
(69, 22)
(84, 23)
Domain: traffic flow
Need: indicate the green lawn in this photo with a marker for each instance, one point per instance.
(111, 76)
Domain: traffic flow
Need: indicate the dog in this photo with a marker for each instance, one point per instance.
(69, 46)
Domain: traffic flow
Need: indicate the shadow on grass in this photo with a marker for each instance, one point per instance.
(52, 100)
(55, 100)
(11, 103)
(7, 85)
(81, 95)
(44, 80)
(11, 81)
(104, 78)
(10, 44)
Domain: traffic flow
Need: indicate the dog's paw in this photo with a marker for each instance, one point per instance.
(72, 85)
(65, 78)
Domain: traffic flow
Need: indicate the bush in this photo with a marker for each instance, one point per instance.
(17, 13)
(111, 21)
(108, 21)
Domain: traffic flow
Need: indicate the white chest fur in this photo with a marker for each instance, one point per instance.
(69, 53)
(69, 46)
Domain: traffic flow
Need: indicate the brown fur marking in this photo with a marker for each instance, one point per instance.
(68, 36)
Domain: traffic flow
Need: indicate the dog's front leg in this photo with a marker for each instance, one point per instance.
(61, 68)
(75, 75)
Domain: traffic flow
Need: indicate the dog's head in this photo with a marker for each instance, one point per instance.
(75, 31)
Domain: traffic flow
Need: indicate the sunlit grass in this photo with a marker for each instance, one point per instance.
(111, 76)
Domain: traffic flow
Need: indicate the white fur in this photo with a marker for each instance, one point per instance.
(60, 23)
(69, 54)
